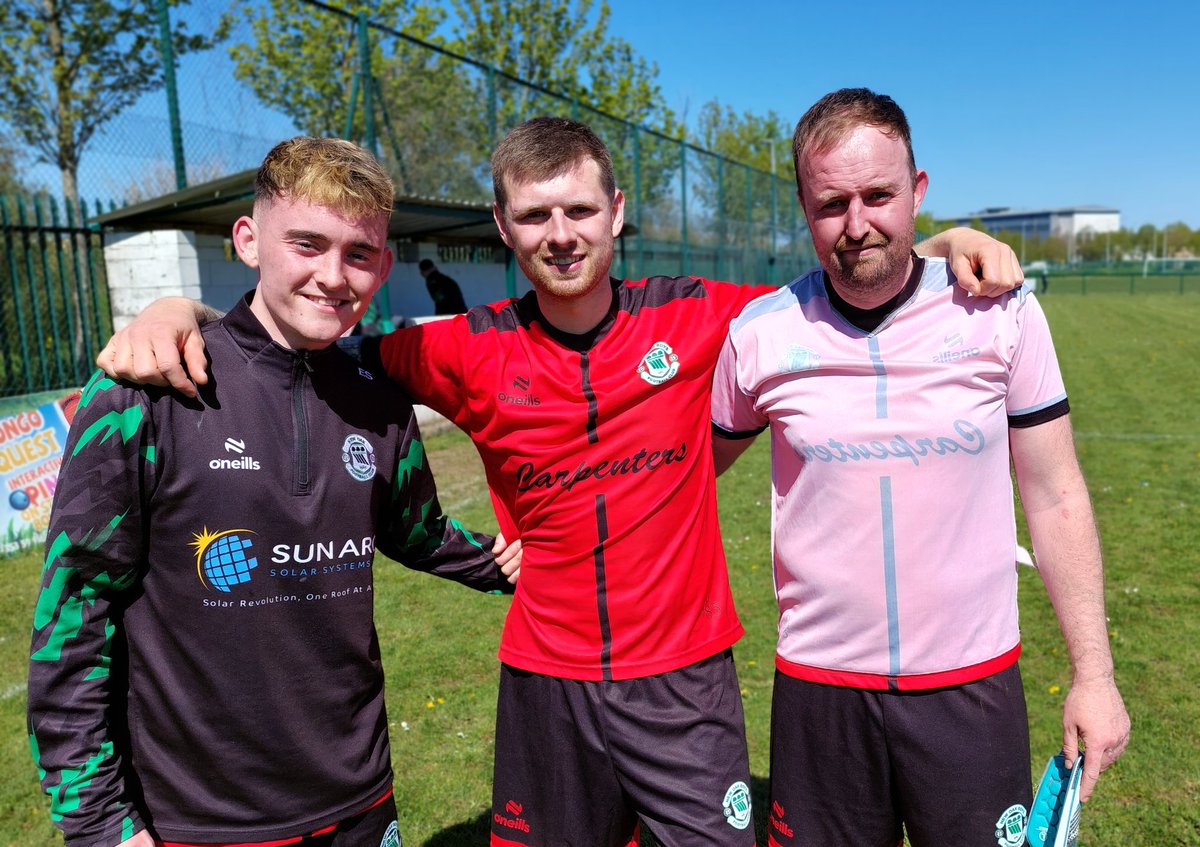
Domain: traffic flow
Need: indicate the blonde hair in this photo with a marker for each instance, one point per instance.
(327, 172)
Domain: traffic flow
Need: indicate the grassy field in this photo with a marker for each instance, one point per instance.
(1131, 365)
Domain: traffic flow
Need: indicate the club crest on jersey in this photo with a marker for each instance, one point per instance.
(1010, 828)
(659, 365)
(359, 456)
(797, 358)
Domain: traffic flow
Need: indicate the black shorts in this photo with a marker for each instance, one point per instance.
(578, 763)
(375, 826)
(851, 767)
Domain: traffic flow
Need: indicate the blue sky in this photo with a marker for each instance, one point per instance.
(1020, 104)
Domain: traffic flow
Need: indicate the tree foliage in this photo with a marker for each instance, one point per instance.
(71, 65)
(558, 45)
(434, 114)
(306, 63)
(303, 61)
(10, 159)
(750, 183)
(564, 47)
(761, 141)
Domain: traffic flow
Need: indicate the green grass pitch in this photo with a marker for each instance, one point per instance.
(1132, 365)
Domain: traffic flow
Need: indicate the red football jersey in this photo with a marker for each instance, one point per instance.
(598, 453)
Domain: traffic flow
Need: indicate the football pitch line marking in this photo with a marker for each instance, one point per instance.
(1139, 436)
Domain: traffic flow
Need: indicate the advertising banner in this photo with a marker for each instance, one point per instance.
(33, 433)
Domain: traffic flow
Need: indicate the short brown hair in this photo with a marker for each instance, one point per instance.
(839, 113)
(326, 172)
(545, 147)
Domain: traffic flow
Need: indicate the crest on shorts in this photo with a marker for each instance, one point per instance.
(391, 838)
(1010, 829)
(659, 365)
(737, 805)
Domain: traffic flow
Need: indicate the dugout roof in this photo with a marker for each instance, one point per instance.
(214, 206)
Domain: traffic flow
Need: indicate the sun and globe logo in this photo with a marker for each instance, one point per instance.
(222, 558)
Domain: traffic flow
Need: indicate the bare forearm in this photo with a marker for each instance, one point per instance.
(1068, 555)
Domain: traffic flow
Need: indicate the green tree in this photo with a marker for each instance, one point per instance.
(434, 133)
(558, 45)
(433, 116)
(748, 185)
(1092, 246)
(562, 47)
(761, 141)
(1178, 237)
(10, 160)
(927, 224)
(304, 61)
(69, 66)
(1146, 239)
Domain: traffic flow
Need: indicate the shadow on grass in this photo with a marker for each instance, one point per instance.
(470, 833)
(477, 831)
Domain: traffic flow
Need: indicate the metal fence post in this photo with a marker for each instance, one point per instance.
(637, 196)
(84, 355)
(102, 328)
(364, 58)
(683, 227)
(722, 231)
(167, 50)
(39, 336)
(348, 132)
(748, 269)
(48, 346)
(22, 331)
(772, 261)
(70, 303)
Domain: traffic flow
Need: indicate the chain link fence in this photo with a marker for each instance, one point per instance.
(54, 311)
(433, 118)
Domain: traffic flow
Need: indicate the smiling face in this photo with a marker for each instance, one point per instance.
(861, 199)
(317, 269)
(562, 230)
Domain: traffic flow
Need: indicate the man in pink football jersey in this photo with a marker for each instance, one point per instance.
(894, 402)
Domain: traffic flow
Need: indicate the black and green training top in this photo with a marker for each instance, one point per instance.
(204, 661)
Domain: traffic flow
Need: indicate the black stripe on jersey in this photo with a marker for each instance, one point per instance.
(653, 292)
(512, 316)
(593, 413)
(659, 291)
(1041, 416)
(602, 590)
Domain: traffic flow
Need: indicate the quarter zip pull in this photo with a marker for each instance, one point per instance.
(300, 385)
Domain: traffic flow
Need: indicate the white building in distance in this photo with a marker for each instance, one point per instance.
(1068, 222)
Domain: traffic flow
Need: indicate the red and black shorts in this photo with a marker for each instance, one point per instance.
(581, 762)
(947, 766)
